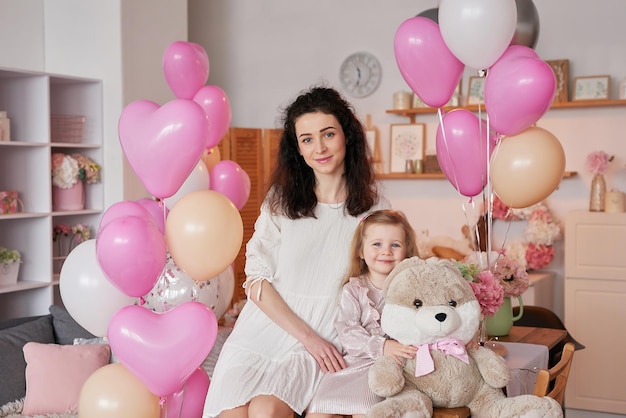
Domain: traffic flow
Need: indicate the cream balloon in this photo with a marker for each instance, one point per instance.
(204, 233)
(113, 391)
(526, 168)
(211, 157)
(198, 179)
(88, 295)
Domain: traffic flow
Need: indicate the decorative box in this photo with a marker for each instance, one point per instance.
(431, 164)
(5, 127)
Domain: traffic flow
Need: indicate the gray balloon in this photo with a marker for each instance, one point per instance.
(432, 14)
(526, 29)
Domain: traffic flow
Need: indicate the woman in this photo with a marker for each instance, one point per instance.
(284, 338)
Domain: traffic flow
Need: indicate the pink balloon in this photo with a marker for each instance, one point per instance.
(186, 68)
(163, 144)
(189, 401)
(229, 179)
(425, 62)
(132, 253)
(462, 152)
(121, 210)
(158, 211)
(518, 92)
(163, 349)
(217, 108)
(518, 51)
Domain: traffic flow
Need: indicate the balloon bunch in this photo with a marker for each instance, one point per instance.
(504, 154)
(159, 273)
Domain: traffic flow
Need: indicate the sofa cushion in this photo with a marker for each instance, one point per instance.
(12, 363)
(55, 375)
(66, 329)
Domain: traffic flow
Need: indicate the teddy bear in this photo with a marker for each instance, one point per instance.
(430, 305)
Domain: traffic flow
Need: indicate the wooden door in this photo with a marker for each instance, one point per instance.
(255, 151)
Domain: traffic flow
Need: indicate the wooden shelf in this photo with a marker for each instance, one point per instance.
(436, 176)
(410, 113)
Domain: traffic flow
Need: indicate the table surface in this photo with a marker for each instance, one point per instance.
(534, 335)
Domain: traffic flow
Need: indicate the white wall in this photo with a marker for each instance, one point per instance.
(263, 53)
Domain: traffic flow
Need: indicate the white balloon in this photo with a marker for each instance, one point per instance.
(197, 180)
(477, 32)
(217, 292)
(88, 295)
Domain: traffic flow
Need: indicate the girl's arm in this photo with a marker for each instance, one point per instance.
(357, 323)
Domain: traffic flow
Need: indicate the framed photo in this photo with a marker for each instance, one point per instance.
(407, 143)
(595, 87)
(476, 90)
(561, 73)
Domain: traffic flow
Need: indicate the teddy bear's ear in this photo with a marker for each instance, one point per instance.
(401, 266)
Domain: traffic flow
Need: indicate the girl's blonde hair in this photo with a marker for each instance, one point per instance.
(380, 217)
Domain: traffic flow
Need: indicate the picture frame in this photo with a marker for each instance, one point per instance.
(408, 143)
(561, 73)
(594, 87)
(476, 90)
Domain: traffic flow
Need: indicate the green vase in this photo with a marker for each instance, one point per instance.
(500, 323)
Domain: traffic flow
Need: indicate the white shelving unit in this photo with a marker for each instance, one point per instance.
(30, 98)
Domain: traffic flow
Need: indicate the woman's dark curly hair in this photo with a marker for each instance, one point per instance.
(293, 181)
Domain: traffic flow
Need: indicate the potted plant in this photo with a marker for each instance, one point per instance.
(68, 174)
(9, 265)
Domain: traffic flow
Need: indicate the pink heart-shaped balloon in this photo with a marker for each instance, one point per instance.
(189, 401)
(186, 68)
(163, 349)
(131, 251)
(518, 92)
(163, 144)
(425, 62)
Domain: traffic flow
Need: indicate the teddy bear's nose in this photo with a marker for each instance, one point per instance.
(441, 317)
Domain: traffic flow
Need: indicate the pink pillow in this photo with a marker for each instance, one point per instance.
(55, 375)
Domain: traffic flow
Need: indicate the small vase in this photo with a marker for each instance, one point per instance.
(9, 273)
(68, 199)
(500, 323)
(598, 192)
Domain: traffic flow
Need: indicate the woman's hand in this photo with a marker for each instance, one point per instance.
(393, 348)
(325, 353)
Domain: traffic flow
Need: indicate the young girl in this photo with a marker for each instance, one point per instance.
(382, 239)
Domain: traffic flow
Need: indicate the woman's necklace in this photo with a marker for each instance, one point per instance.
(339, 196)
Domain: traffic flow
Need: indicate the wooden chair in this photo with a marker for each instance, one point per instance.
(462, 412)
(551, 382)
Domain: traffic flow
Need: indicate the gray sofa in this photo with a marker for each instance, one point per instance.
(57, 327)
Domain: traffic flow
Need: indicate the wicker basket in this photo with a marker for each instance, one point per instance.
(67, 128)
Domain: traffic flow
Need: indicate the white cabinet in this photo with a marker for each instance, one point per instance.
(595, 309)
(30, 99)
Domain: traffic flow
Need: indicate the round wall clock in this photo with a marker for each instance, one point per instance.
(360, 74)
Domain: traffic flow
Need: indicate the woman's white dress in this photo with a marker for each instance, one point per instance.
(305, 260)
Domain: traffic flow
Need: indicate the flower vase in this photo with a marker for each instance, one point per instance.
(500, 323)
(68, 199)
(598, 192)
(9, 273)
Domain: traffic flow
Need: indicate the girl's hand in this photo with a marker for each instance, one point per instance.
(325, 353)
(393, 348)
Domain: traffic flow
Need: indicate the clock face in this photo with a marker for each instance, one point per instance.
(360, 74)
